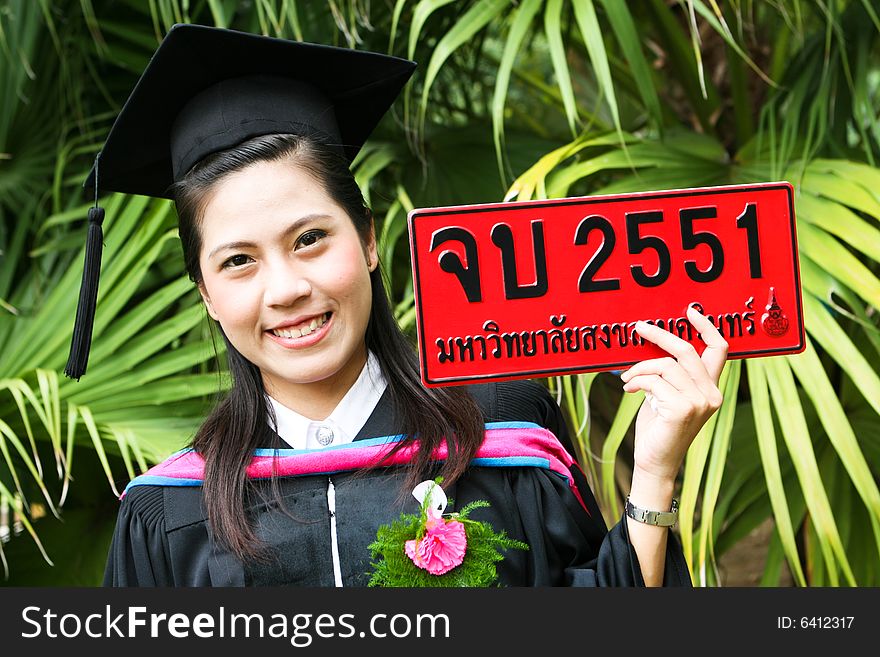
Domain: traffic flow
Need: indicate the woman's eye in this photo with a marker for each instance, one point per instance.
(238, 260)
(309, 238)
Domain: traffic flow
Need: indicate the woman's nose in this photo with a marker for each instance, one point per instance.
(285, 285)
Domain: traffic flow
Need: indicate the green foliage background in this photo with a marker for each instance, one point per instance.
(526, 99)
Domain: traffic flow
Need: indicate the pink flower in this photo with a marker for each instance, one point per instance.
(441, 548)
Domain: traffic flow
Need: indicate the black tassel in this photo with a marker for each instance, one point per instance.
(88, 295)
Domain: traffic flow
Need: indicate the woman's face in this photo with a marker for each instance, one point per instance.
(286, 275)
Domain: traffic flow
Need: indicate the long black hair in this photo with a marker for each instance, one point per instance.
(239, 423)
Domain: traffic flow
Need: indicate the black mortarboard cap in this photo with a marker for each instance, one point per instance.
(208, 89)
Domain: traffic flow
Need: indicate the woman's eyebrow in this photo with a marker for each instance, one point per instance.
(292, 228)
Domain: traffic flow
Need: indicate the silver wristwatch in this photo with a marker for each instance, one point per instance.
(659, 518)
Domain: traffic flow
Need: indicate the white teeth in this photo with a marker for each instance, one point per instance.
(287, 333)
(304, 329)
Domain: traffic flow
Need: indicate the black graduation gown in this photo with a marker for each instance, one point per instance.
(162, 539)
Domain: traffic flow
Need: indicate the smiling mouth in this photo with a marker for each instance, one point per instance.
(305, 328)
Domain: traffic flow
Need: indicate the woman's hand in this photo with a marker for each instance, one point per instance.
(681, 393)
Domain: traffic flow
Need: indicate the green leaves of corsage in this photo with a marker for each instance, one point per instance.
(430, 549)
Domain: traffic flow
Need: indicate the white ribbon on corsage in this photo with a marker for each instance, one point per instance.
(430, 496)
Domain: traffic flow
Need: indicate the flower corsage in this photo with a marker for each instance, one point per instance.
(430, 549)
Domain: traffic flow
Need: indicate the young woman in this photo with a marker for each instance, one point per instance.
(294, 470)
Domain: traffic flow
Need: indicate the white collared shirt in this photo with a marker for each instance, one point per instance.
(346, 420)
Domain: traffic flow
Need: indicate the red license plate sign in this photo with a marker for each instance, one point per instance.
(541, 288)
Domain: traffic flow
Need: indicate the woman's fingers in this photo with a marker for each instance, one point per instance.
(666, 396)
(702, 388)
(693, 375)
(684, 353)
(681, 389)
(668, 368)
(702, 395)
(715, 354)
(701, 369)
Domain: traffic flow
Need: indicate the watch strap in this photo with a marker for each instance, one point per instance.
(658, 518)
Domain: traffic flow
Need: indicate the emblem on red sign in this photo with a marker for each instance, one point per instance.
(541, 288)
